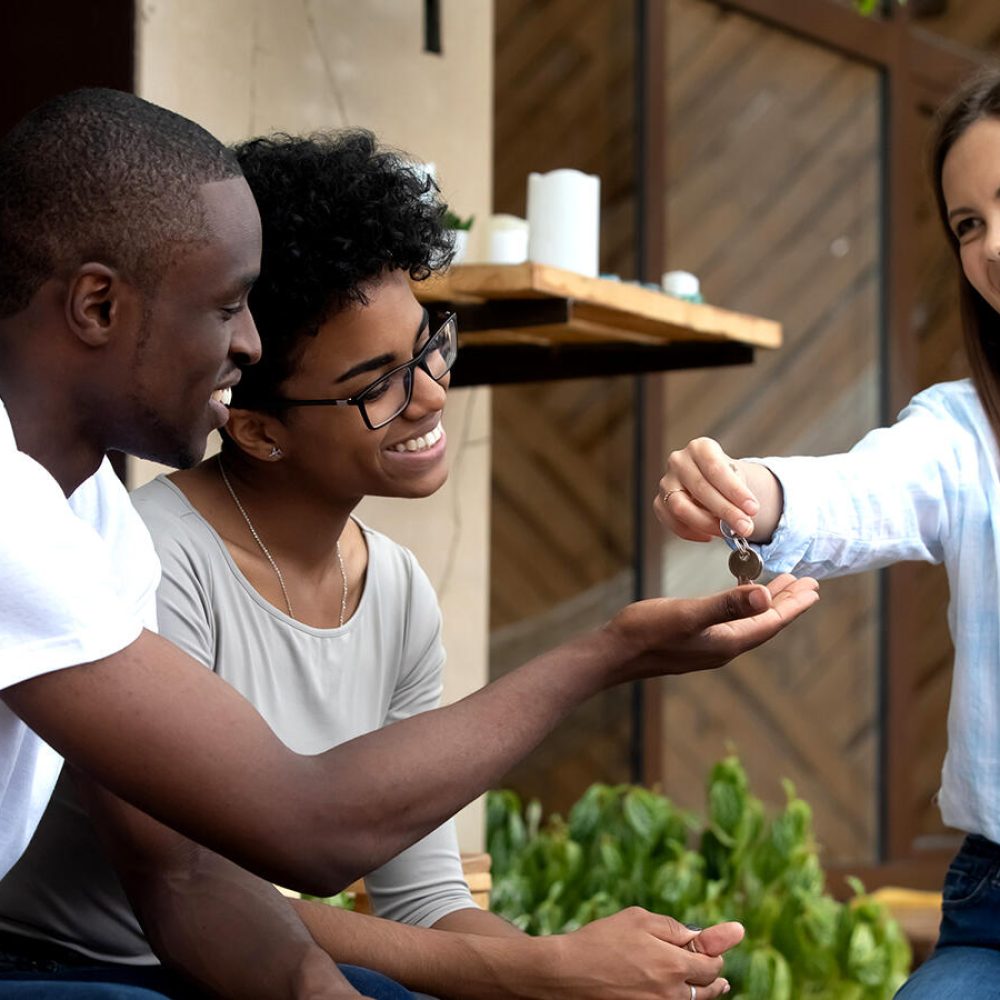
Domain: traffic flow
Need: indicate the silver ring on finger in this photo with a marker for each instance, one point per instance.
(694, 992)
(667, 494)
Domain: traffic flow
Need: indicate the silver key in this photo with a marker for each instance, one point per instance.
(746, 566)
(745, 563)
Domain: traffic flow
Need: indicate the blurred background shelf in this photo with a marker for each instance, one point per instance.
(530, 322)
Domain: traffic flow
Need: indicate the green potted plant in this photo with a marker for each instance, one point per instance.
(623, 846)
(460, 228)
(871, 7)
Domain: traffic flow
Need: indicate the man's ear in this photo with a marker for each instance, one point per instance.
(258, 434)
(97, 300)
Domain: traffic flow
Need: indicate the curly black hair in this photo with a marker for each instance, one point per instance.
(337, 211)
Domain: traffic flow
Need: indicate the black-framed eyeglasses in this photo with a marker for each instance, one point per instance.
(390, 394)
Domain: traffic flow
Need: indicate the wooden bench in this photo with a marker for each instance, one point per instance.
(475, 868)
(919, 915)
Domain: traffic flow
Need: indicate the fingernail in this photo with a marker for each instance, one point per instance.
(759, 599)
(726, 987)
(743, 526)
(751, 506)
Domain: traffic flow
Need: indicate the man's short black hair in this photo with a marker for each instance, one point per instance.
(337, 212)
(105, 176)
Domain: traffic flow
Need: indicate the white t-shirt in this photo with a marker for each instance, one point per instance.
(78, 582)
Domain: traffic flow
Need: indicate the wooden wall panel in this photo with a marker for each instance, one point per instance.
(773, 199)
(563, 469)
(970, 23)
(565, 97)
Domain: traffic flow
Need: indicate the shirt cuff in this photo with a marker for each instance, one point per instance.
(790, 542)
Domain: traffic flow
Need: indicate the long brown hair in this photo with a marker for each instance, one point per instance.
(976, 100)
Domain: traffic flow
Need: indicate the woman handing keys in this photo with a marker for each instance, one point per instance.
(927, 488)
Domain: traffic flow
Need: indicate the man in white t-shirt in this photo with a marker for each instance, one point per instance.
(128, 244)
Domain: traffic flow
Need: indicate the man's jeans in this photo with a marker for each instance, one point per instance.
(59, 981)
(966, 961)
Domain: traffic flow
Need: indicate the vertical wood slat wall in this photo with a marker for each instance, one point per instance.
(562, 523)
(918, 68)
(774, 197)
(914, 69)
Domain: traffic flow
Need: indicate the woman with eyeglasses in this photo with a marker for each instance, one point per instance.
(328, 627)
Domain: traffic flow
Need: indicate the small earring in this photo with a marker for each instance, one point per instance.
(275, 452)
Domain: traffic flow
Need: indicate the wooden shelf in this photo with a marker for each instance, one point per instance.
(524, 322)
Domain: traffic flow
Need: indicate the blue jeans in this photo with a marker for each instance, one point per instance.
(29, 989)
(52, 979)
(966, 960)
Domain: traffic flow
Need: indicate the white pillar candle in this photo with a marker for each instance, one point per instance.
(564, 208)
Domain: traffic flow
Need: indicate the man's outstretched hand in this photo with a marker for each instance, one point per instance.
(679, 635)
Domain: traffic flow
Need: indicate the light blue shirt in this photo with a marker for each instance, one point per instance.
(926, 489)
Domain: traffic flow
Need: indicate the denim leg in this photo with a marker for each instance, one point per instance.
(51, 978)
(955, 974)
(42, 988)
(374, 984)
(21, 978)
(966, 961)
(71, 984)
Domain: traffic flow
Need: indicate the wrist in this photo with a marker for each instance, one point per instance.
(318, 978)
(613, 647)
(523, 968)
(766, 487)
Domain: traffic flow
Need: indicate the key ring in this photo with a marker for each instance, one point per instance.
(742, 546)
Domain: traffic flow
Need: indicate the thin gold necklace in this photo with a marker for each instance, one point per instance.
(270, 558)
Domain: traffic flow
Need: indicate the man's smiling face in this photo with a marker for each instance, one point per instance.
(195, 331)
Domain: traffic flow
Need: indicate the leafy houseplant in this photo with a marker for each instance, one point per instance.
(460, 228)
(453, 221)
(870, 7)
(625, 846)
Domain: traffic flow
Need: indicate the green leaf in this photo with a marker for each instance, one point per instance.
(857, 886)
(726, 803)
(533, 816)
(867, 962)
(343, 900)
(611, 857)
(640, 815)
(759, 980)
(453, 221)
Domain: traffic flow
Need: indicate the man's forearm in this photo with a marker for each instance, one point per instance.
(209, 763)
(202, 760)
(445, 964)
(433, 763)
(633, 955)
(212, 922)
(237, 937)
